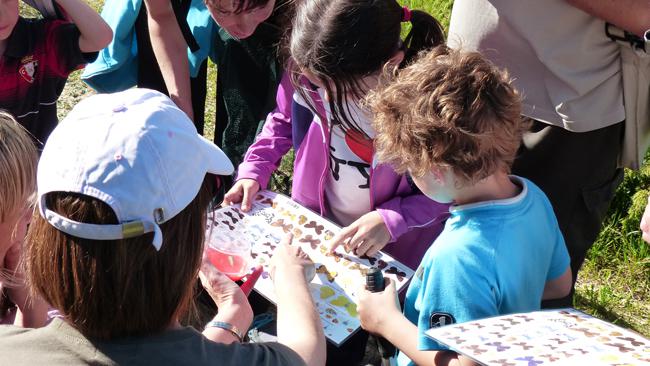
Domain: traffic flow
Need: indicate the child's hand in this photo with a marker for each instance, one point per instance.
(366, 236)
(233, 305)
(289, 259)
(375, 308)
(222, 290)
(243, 191)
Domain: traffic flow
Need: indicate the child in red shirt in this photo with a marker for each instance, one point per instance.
(37, 55)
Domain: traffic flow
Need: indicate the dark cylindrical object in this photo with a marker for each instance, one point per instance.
(375, 283)
(375, 280)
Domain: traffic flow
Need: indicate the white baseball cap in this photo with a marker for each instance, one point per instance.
(135, 151)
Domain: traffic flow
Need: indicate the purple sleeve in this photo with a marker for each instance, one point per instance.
(401, 214)
(264, 155)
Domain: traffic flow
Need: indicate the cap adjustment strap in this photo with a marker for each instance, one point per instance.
(132, 229)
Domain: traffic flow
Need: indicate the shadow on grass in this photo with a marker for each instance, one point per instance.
(598, 310)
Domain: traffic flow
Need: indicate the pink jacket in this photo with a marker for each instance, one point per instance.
(412, 219)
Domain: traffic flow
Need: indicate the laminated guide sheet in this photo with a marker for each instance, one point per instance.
(554, 337)
(338, 276)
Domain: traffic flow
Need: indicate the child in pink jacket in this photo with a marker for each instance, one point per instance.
(339, 50)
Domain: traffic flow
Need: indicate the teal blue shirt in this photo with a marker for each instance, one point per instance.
(492, 258)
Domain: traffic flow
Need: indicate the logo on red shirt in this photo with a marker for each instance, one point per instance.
(28, 68)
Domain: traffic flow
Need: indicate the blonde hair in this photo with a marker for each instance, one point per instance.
(449, 109)
(18, 161)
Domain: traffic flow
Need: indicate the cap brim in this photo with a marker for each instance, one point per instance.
(218, 162)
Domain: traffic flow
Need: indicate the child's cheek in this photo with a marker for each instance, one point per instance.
(14, 231)
(5, 241)
(21, 229)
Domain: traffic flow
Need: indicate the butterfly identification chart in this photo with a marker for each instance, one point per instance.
(338, 275)
(555, 337)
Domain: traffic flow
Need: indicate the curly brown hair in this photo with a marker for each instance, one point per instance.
(449, 109)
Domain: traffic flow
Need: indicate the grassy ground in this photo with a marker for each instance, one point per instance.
(614, 283)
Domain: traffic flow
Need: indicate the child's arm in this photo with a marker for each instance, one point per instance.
(95, 34)
(631, 15)
(380, 315)
(559, 287)
(299, 326)
(170, 49)
(559, 279)
(233, 305)
(403, 213)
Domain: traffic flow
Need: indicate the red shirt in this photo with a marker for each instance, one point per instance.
(40, 55)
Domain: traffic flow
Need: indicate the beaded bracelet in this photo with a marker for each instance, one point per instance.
(226, 326)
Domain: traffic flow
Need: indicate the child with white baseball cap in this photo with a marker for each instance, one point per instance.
(136, 152)
(124, 184)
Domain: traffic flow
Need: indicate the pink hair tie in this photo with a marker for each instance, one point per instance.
(407, 14)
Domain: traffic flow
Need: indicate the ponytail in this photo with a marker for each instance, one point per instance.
(340, 42)
(426, 33)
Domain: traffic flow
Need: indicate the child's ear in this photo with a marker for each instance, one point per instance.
(438, 173)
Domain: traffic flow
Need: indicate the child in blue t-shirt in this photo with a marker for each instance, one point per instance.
(452, 120)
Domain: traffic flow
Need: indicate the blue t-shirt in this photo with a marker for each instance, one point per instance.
(492, 258)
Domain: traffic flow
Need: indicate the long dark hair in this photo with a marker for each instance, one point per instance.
(342, 41)
(111, 289)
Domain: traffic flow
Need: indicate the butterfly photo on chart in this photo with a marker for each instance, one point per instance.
(551, 337)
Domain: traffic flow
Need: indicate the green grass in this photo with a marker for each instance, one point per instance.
(614, 283)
